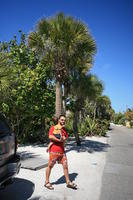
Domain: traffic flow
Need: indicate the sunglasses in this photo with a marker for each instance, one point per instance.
(63, 120)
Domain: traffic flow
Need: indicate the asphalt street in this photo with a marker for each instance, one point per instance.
(117, 180)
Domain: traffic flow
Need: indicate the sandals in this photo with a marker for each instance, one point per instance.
(49, 186)
(71, 185)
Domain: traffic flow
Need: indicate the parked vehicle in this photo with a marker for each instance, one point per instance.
(9, 160)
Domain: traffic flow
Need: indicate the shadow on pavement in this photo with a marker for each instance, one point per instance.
(35, 198)
(21, 189)
(26, 155)
(62, 180)
(87, 146)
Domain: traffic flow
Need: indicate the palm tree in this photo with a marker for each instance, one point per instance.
(67, 45)
(86, 87)
(103, 107)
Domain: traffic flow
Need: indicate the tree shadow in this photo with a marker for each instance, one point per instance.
(35, 145)
(24, 155)
(21, 189)
(36, 198)
(87, 146)
(62, 179)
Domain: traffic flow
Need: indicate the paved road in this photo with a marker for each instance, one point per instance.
(117, 181)
(102, 168)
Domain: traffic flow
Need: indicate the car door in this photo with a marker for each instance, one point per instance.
(7, 142)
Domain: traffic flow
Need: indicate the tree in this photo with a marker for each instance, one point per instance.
(103, 107)
(129, 116)
(83, 88)
(68, 47)
(119, 118)
(5, 66)
(28, 96)
(97, 114)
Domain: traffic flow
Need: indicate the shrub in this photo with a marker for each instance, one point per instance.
(93, 127)
(69, 126)
(119, 118)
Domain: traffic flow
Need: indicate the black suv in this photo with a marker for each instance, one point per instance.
(9, 160)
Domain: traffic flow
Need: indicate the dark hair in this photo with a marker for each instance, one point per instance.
(55, 120)
(61, 116)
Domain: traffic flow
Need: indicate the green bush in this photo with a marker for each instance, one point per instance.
(93, 127)
(119, 118)
(88, 126)
(102, 127)
(69, 126)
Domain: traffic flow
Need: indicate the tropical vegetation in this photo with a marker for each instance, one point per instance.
(125, 118)
(47, 73)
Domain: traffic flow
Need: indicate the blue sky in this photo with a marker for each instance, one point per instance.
(111, 25)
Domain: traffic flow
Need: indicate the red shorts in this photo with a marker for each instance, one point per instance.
(57, 157)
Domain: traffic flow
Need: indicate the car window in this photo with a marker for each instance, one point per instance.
(4, 128)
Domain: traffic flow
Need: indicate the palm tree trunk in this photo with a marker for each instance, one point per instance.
(63, 101)
(58, 98)
(75, 128)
